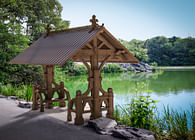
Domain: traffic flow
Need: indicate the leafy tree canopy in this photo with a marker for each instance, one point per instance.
(164, 51)
(22, 22)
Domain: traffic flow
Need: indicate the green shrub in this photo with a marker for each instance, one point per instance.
(193, 121)
(28, 93)
(169, 124)
(139, 113)
(79, 70)
(22, 92)
(130, 68)
(8, 90)
(112, 68)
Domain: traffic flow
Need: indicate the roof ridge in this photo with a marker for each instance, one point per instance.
(72, 29)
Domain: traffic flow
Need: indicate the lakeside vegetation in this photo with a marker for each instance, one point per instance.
(142, 112)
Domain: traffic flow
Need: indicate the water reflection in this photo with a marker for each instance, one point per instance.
(176, 88)
(159, 83)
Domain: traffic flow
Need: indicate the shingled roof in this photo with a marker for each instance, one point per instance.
(73, 44)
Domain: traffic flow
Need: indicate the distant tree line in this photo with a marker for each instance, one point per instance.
(164, 51)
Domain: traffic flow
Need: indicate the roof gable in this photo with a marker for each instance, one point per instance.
(74, 44)
(107, 45)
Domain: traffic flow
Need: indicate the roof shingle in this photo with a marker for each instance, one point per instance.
(56, 48)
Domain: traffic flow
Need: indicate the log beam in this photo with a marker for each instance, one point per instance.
(96, 112)
(48, 80)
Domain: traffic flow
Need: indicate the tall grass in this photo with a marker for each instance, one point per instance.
(22, 92)
(174, 123)
(193, 121)
(169, 124)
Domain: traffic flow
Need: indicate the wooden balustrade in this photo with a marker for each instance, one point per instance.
(78, 105)
(40, 96)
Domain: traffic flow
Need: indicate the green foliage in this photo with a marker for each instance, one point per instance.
(74, 69)
(22, 91)
(79, 70)
(130, 69)
(136, 47)
(140, 112)
(33, 15)
(71, 68)
(28, 93)
(169, 124)
(22, 22)
(68, 67)
(193, 121)
(163, 51)
(171, 51)
(8, 90)
(172, 124)
(112, 68)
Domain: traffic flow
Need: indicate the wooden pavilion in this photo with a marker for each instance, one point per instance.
(94, 46)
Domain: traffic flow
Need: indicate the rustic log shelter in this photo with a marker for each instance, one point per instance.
(94, 46)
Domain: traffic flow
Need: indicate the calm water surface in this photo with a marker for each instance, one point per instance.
(173, 88)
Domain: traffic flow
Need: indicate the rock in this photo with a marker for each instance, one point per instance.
(106, 126)
(1, 96)
(103, 125)
(131, 133)
(24, 104)
(12, 98)
(142, 67)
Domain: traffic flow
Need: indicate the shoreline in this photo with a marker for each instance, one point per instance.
(177, 67)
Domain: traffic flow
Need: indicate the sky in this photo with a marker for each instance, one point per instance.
(134, 19)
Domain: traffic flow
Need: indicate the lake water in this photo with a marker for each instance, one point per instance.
(173, 88)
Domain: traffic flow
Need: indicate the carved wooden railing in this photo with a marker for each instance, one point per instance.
(40, 96)
(78, 105)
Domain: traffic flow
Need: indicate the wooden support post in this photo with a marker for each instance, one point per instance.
(96, 112)
(69, 116)
(79, 108)
(110, 103)
(41, 101)
(35, 104)
(61, 95)
(48, 80)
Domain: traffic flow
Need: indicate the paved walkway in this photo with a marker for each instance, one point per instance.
(23, 124)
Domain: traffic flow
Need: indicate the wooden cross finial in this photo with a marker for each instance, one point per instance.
(48, 28)
(94, 21)
(94, 24)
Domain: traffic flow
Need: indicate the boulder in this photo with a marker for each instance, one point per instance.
(108, 126)
(1, 96)
(103, 125)
(24, 104)
(131, 133)
(12, 98)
